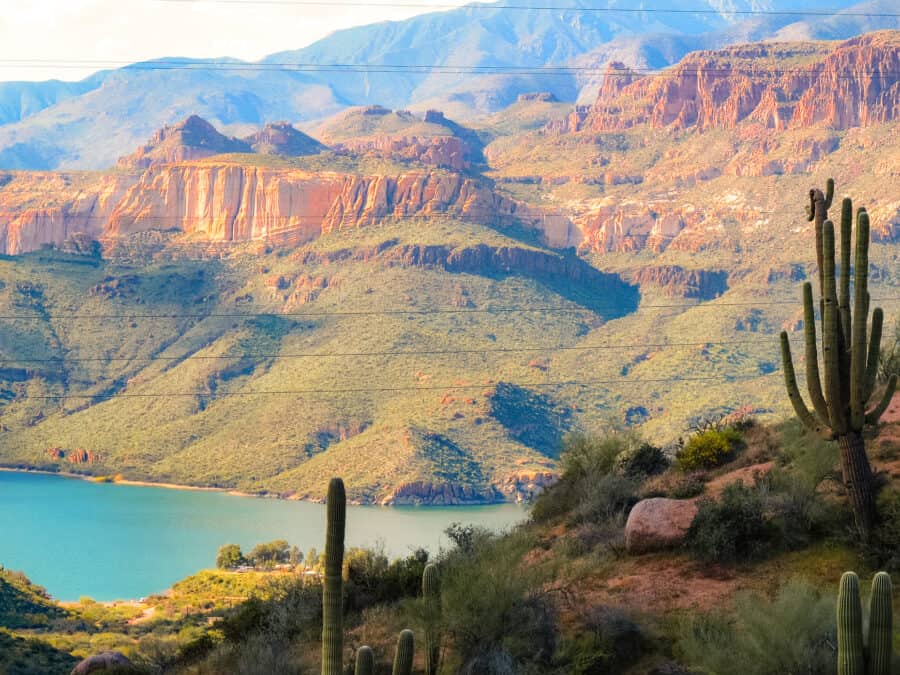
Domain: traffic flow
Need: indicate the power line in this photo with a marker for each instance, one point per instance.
(432, 69)
(544, 8)
(404, 312)
(417, 352)
(362, 390)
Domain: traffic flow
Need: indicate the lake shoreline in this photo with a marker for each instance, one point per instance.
(136, 483)
(231, 491)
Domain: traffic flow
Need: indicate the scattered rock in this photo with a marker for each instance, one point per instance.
(104, 661)
(658, 523)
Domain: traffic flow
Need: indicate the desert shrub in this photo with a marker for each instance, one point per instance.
(282, 610)
(731, 529)
(708, 449)
(806, 453)
(372, 579)
(495, 610)
(608, 642)
(689, 486)
(641, 461)
(792, 634)
(889, 358)
(883, 549)
(798, 513)
(588, 487)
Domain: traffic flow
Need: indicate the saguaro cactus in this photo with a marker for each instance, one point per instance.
(333, 588)
(365, 661)
(854, 656)
(431, 596)
(841, 408)
(403, 659)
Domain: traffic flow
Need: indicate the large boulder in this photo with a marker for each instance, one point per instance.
(101, 662)
(658, 523)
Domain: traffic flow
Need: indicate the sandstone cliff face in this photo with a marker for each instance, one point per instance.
(227, 202)
(38, 208)
(856, 83)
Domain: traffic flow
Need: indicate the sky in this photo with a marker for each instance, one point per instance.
(70, 39)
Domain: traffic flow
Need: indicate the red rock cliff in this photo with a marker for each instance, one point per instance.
(777, 85)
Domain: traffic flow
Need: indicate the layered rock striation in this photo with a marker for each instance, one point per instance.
(775, 85)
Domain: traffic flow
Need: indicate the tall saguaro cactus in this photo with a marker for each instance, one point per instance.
(431, 596)
(841, 408)
(855, 657)
(333, 588)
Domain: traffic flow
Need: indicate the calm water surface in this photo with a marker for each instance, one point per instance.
(78, 538)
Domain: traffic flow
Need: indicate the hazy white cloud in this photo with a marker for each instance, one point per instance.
(70, 39)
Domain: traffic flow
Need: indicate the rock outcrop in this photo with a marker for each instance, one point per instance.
(440, 494)
(676, 281)
(658, 523)
(856, 83)
(193, 138)
(280, 138)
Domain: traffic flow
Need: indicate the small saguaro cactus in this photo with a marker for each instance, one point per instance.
(842, 407)
(855, 657)
(333, 588)
(365, 661)
(403, 659)
(431, 597)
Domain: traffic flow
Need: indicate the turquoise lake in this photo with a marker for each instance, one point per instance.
(78, 538)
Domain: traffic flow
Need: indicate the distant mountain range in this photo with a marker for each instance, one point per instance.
(467, 61)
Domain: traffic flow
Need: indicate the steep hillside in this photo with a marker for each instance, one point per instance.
(429, 333)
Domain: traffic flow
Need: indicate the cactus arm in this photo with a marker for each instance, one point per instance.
(830, 329)
(851, 655)
(858, 346)
(846, 243)
(874, 354)
(875, 414)
(365, 661)
(811, 207)
(403, 659)
(881, 628)
(829, 193)
(790, 381)
(813, 382)
(333, 587)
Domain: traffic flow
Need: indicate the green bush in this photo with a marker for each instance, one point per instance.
(708, 449)
(799, 514)
(496, 612)
(372, 579)
(792, 634)
(589, 488)
(883, 549)
(229, 557)
(689, 486)
(731, 529)
(608, 642)
(641, 461)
